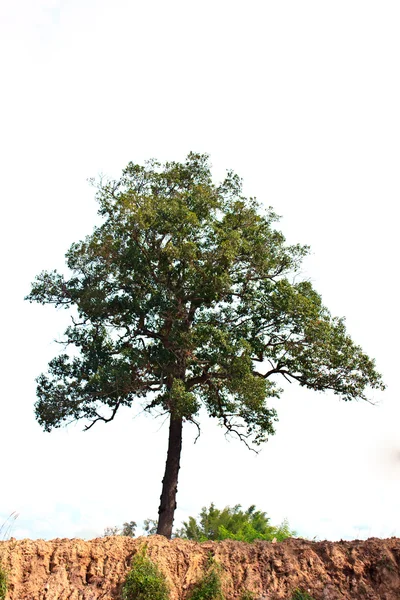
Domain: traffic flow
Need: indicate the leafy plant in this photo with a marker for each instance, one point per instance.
(233, 523)
(247, 595)
(300, 595)
(209, 586)
(3, 582)
(145, 581)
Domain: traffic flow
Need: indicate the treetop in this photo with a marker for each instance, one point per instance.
(185, 296)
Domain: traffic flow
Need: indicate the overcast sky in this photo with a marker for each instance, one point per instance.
(301, 99)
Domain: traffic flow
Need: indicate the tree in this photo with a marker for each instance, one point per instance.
(234, 524)
(128, 530)
(111, 531)
(185, 295)
(150, 526)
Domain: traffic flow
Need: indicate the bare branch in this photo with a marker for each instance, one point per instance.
(231, 428)
(101, 418)
(192, 420)
(150, 405)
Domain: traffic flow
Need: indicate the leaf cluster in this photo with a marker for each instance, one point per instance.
(233, 523)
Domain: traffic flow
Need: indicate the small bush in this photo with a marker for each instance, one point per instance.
(209, 587)
(145, 580)
(3, 583)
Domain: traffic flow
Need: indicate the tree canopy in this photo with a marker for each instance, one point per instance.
(185, 296)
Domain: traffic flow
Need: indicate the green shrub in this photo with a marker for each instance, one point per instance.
(300, 595)
(209, 587)
(233, 524)
(3, 583)
(145, 580)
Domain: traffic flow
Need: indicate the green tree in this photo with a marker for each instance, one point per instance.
(233, 523)
(129, 528)
(185, 295)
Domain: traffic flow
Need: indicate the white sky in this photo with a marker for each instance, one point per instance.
(302, 100)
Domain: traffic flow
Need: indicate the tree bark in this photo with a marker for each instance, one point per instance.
(170, 482)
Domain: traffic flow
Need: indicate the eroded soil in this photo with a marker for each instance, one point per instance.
(65, 569)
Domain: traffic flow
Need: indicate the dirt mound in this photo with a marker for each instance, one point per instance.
(77, 570)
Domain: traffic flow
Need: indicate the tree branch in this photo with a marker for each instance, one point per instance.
(101, 418)
(231, 428)
(192, 420)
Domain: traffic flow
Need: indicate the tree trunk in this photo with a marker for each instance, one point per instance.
(170, 482)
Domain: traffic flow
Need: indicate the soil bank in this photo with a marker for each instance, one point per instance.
(73, 569)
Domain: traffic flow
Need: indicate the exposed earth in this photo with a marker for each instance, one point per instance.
(73, 569)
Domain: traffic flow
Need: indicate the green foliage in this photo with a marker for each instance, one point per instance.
(3, 583)
(301, 595)
(181, 291)
(247, 595)
(209, 587)
(145, 581)
(234, 524)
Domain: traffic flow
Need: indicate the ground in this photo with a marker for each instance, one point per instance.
(73, 569)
